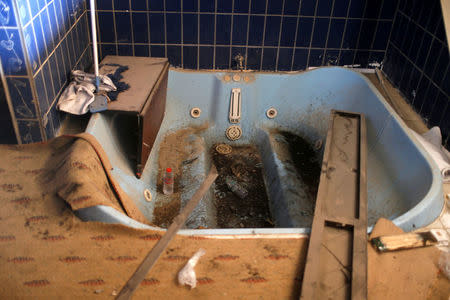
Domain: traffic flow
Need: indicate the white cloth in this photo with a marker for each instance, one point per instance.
(432, 142)
(77, 96)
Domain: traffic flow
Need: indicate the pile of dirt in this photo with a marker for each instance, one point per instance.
(177, 148)
(242, 167)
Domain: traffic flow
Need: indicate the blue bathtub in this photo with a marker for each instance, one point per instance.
(404, 184)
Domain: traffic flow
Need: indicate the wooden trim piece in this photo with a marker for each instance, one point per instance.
(336, 263)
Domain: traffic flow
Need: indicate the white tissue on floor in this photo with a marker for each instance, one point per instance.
(77, 96)
(432, 142)
(187, 275)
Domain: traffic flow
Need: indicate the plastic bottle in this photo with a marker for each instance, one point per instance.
(168, 182)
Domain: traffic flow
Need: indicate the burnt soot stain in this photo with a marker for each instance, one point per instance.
(305, 160)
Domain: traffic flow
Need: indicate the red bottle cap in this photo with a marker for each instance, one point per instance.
(168, 170)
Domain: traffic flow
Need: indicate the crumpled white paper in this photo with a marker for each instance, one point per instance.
(77, 96)
(187, 275)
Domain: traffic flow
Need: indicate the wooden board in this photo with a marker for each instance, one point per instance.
(142, 76)
(145, 98)
(336, 264)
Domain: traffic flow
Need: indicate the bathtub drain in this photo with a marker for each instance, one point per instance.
(234, 132)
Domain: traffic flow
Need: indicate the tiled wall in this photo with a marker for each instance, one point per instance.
(40, 42)
(6, 126)
(417, 61)
(278, 35)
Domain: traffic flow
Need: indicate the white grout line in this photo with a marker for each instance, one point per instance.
(198, 34)
(344, 32)
(148, 27)
(296, 33)
(165, 29)
(248, 33)
(29, 70)
(359, 34)
(132, 28)
(264, 37)
(230, 58)
(57, 94)
(250, 46)
(115, 27)
(215, 29)
(312, 34)
(244, 14)
(328, 35)
(59, 43)
(182, 35)
(279, 36)
(10, 105)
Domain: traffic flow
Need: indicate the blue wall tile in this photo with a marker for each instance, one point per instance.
(157, 5)
(256, 31)
(7, 18)
(206, 57)
(190, 28)
(254, 58)
(50, 52)
(173, 28)
(207, 29)
(22, 98)
(190, 57)
(30, 131)
(142, 50)
(304, 31)
(417, 60)
(285, 59)
(269, 59)
(11, 52)
(241, 6)
(341, 8)
(319, 39)
(300, 59)
(207, 6)
(272, 30)
(222, 55)
(240, 29)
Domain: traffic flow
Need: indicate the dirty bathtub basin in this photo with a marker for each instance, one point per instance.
(404, 185)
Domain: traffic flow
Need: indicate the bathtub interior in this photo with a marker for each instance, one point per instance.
(402, 182)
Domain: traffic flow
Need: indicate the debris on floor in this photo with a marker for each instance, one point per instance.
(241, 198)
(187, 275)
(116, 77)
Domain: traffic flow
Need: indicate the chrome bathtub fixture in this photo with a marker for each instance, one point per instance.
(235, 106)
(236, 77)
(196, 112)
(239, 59)
(271, 113)
(234, 132)
(148, 195)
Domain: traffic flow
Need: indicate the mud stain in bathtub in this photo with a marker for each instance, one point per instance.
(305, 160)
(248, 208)
(178, 148)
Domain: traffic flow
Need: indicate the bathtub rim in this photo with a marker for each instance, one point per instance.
(434, 197)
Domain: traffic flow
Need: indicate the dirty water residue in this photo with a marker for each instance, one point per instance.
(249, 206)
